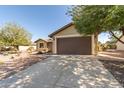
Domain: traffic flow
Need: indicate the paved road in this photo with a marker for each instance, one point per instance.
(65, 72)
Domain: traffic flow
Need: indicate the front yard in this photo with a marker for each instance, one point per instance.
(105, 70)
(12, 63)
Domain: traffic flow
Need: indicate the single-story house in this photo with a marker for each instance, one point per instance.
(119, 45)
(67, 40)
(44, 45)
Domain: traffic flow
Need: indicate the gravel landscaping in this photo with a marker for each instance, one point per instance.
(116, 68)
(11, 67)
(114, 53)
(113, 61)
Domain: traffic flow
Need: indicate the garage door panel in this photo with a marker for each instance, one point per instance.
(74, 45)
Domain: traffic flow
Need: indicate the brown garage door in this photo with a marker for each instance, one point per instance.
(74, 45)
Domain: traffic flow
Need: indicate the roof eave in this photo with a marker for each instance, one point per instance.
(39, 40)
(59, 30)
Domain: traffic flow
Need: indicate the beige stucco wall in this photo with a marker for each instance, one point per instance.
(93, 45)
(38, 45)
(53, 46)
(119, 45)
(68, 32)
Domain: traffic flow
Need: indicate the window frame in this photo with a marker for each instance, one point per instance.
(41, 45)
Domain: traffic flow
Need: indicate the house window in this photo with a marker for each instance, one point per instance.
(41, 45)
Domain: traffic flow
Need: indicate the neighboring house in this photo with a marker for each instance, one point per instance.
(67, 40)
(43, 45)
(119, 45)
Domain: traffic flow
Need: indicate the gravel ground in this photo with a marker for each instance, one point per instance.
(116, 68)
(114, 53)
(113, 61)
(9, 68)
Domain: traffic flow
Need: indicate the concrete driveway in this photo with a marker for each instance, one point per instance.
(64, 71)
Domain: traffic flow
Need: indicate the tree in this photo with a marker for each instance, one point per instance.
(14, 35)
(112, 38)
(115, 23)
(97, 19)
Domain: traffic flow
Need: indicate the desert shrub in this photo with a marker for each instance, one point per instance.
(8, 48)
(111, 46)
(12, 52)
(30, 49)
(14, 49)
(5, 53)
(1, 62)
(3, 48)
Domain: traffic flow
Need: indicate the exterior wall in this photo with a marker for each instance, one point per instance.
(93, 45)
(54, 46)
(38, 45)
(24, 48)
(49, 46)
(68, 32)
(119, 45)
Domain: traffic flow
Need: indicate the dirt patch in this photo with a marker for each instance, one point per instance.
(7, 69)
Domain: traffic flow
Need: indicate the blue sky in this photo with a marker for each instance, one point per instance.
(40, 21)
